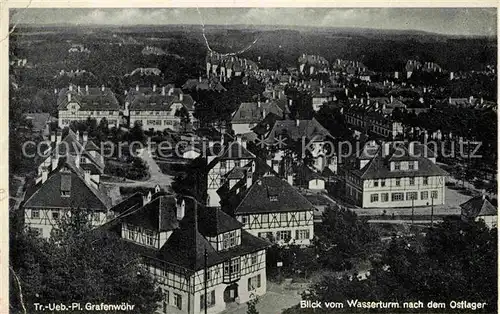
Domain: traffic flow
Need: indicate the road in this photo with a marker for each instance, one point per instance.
(156, 177)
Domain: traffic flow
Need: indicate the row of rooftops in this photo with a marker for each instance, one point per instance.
(138, 98)
(234, 63)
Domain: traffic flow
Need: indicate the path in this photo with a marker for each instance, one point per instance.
(156, 177)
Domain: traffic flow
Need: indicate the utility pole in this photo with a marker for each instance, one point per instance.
(206, 280)
(412, 209)
(432, 210)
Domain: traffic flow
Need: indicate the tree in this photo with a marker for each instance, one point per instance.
(184, 115)
(456, 260)
(136, 133)
(79, 265)
(342, 236)
(251, 306)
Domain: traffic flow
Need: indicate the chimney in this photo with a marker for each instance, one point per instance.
(69, 97)
(59, 136)
(163, 90)
(238, 138)
(87, 176)
(77, 135)
(181, 97)
(449, 100)
(170, 91)
(136, 88)
(321, 90)
(346, 92)
(297, 122)
(411, 149)
(54, 161)
(258, 103)
(249, 179)
(146, 198)
(482, 100)
(392, 99)
(45, 174)
(181, 209)
(102, 88)
(154, 88)
(471, 98)
(78, 89)
(289, 179)
(387, 148)
(274, 94)
(70, 87)
(87, 88)
(55, 91)
(53, 137)
(85, 136)
(199, 79)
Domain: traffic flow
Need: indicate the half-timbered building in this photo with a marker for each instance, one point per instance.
(66, 187)
(198, 257)
(271, 208)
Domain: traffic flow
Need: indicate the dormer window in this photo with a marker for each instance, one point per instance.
(397, 165)
(273, 198)
(229, 240)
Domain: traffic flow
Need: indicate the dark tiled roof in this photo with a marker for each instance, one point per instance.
(94, 99)
(82, 194)
(379, 167)
(254, 113)
(213, 221)
(257, 198)
(477, 206)
(160, 214)
(308, 129)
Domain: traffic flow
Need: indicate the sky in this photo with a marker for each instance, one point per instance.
(451, 21)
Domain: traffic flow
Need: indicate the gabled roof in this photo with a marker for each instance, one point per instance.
(298, 129)
(228, 151)
(67, 178)
(477, 207)
(379, 166)
(257, 198)
(160, 214)
(255, 112)
(94, 99)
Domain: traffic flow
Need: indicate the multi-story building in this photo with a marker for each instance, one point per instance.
(320, 97)
(313, 137)
(198, 257)
(59, 192)
(313, 64)
(159, 108)
(219, 160)
(80, 104)
(374, 116)
(394, 174)
(271, 208)
(249, 115)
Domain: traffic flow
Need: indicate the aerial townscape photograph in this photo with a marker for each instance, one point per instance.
(252, 160)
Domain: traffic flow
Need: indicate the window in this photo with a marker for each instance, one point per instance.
(244, 219)
(237, 163)
(434, 194)
(65, 193)
(273, 198)
(398, 182)
(149, 237)
(264, 218)
(412, 181)
(223, 165)
(232, 267)
(384, 197)
(397, 197)
(228, 240)
(111, 113)
(253, 259)
(284, 235)
(302, 234)
(35, 214)
(375, 183)
(302, 216)
(178, 301)
(382, 183)
(210, 300)
(95, 216)
(374, 198)
(55, 215)
(166, 296)
(424, 195)
(425, 181)
(411, 195)
(254, 282)
(283, 219)
(397, 165)
(411, 165)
